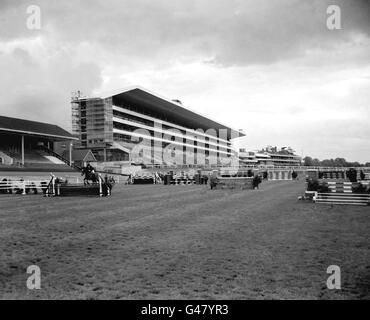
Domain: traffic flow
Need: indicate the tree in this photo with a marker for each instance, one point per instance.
(337, 162)
(340, 162)
(308, 161)
(327, 163)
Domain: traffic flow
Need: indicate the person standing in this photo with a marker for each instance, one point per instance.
(256, 181)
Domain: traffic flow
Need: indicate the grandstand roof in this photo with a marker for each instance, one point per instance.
(172, 108)
(27, 127)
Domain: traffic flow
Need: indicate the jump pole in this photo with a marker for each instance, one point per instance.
(52, 184)
(100, 186)
(24, 187)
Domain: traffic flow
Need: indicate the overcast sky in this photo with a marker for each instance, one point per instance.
(272, 68)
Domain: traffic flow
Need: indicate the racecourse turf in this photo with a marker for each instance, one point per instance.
(182, 242)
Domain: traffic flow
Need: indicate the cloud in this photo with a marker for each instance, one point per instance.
(234, 32)
(271, 67)
(38, 86)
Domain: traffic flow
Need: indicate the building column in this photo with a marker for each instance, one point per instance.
(22, 150)
(105, 154)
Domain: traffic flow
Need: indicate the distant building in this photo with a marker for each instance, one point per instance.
(247, 157)
(270, 156)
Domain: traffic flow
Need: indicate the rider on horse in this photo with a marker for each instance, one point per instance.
(89, 173)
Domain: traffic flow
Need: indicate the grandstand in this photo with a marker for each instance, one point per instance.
(270, 157)
(29, 146)
(113, 126)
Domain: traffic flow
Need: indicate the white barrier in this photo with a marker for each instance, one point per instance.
(344, 187)
(22, 186)
(49, 186)
(279, 175)
(342, 198)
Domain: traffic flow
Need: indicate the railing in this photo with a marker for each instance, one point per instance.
(9, 186)
(213, 166)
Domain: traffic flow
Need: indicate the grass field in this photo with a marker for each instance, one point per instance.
(180, 242)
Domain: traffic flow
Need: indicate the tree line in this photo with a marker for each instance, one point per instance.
(337, 162)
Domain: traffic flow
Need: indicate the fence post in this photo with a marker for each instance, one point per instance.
(100, 186)
(58, 189)
(53, 184)
(24, 187)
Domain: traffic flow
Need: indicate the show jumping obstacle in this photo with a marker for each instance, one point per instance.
(182, 181)
(60, 189)
(279, 174)
(167, 179)
(342, 192)
(153, 178)
(142, 179)
(339, 186)
(233, 183)
(359, 199)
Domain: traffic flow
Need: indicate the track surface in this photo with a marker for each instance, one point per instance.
(181, 242)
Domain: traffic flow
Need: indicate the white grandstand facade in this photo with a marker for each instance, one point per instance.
(137, 126)
(270, 157)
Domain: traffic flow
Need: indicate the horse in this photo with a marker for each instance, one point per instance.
(90, 176)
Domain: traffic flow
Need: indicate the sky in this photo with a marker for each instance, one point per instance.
(271, 68)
